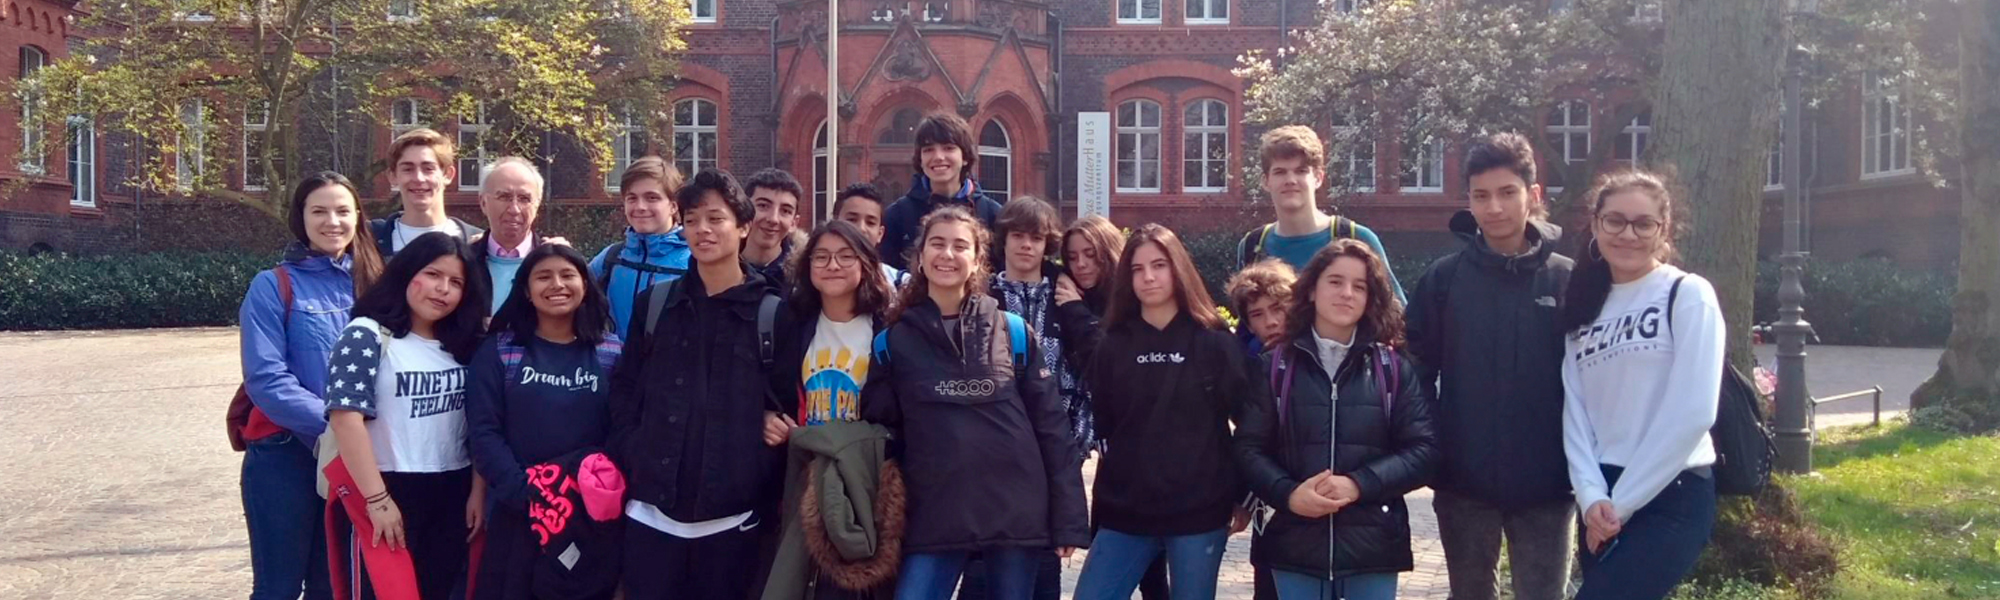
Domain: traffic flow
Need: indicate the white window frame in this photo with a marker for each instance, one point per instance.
(1646, 11)
(821, 170)
(398, 125)
(1351, 158)
(190, 157)
(1138, 15)
(1567, 120)
(1425, 165)
(1875, 101)
(1635, 136)
(82, 162)
(1345, 7)
(1005, 153)
(1214, 12)
(1774, 162)
(34, 156)
(1212, 136)
(403, 11)
(473, 155)
(1138, 133)
(623, 151)
(256, 122)
(695, 130)
(695, 14)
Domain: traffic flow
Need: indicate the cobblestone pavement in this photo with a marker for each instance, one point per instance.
(121, 485)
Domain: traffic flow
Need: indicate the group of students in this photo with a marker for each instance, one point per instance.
(900, 401)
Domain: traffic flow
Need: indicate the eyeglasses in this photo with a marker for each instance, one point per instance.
(845, 259)
(1644, 228)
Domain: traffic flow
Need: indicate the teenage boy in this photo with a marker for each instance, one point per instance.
(775, 194)
(861, 205)
(1484, 319)
(944, 159)
(1294, 168)
(689, 409)
(422, 164)
(1263, 292)
(511, 199)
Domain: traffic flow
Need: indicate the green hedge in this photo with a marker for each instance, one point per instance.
(164, 289)
(1868, 302)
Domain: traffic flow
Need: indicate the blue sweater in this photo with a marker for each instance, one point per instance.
(666, 254)
(284, 362)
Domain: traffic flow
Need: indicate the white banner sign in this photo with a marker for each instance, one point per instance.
(1093, 164)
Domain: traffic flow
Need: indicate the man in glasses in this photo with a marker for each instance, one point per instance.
(1484, 319)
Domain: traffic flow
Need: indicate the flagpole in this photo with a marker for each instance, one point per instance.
(832, 108)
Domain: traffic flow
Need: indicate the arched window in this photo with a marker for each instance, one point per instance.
(32, 158)
(1205, 146)
(696, 142)
(820, 170)
(996, 162)
(1138, 129)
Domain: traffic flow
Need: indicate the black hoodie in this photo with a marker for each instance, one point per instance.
(1164, 401)
(1488, 323)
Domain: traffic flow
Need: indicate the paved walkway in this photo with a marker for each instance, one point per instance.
(120, 484)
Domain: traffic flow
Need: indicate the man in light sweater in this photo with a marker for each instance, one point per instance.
(511, 198)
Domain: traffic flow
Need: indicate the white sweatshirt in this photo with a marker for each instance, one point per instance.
(1641, 394)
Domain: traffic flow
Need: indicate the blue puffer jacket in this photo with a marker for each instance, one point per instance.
(284, 363)
(642, 260)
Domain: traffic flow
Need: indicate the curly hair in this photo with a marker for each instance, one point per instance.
(1268, 278)
(1381, 318)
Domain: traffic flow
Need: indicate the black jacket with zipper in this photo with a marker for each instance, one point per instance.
(901, 220)
(1488, 322)
(1164, 401)
(697, 391)
(1387, 456)
(986, 449)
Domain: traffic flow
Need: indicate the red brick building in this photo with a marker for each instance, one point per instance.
(753, 95)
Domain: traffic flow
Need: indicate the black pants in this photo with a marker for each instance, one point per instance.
(659, 566)
(433, 507)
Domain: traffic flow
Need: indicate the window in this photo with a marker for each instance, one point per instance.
(695, 138)
(1632, 139)
(1569, 138)
(1647, 11)
(475, 150)
(1205, 146)
(1139, 11)
(820, 172)
(1423, 169)
(1345, 7)
(628, 146)
(1885, 130)
(33, 159)
(703, 11)
(1774, 163)
(404, 115)
(257, 136)
(1356, 164)
(1138, 130)
(1208, 12)
(403, 10)
(82, 161)
(996, 175)
(189, 162)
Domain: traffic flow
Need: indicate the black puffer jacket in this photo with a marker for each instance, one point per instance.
(1386, 455)
(1488, 321)
(700, 386)
(986, 447)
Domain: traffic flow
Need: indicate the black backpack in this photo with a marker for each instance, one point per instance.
(1250, 249)
(1744, 449)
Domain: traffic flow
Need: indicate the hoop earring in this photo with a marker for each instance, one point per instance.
(1595, 254)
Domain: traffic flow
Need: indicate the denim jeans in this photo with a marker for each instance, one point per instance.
(1119, 560)
(1048, 578)
(1299, 586)
(286, 520)
(1657, 547)
(934, 575)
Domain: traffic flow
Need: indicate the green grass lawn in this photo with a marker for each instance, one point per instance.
(1916, 512)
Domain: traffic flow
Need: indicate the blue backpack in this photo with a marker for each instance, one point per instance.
(1017, 341)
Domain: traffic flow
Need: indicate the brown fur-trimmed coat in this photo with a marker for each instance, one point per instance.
(844, 513)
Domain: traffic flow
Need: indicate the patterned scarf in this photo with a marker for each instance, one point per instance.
(1034, 301)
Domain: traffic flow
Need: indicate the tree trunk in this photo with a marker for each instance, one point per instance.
(1970, 368)
(1715, 112)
